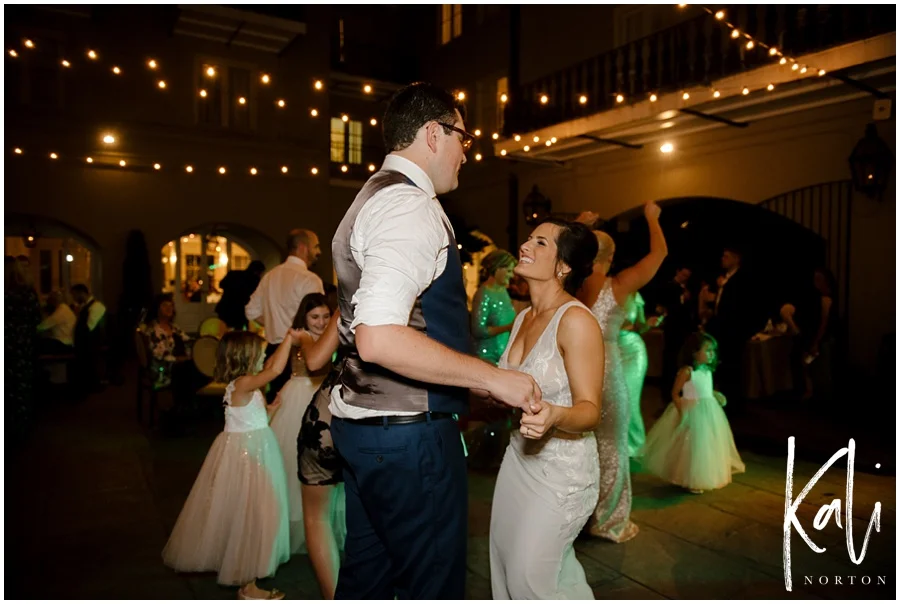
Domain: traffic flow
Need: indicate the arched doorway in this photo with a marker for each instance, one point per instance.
(59, 256)
(195, 261)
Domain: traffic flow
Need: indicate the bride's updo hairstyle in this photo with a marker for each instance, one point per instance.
(576, 245)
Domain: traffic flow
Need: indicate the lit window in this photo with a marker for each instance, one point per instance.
(451, 22)
(346, 141)
(337, 139)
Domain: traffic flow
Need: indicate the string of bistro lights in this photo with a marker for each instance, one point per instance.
(153, 65)
(743, 38)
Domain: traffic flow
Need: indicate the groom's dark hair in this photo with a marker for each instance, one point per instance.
(411, 108)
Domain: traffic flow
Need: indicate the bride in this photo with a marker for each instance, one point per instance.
(548, 483)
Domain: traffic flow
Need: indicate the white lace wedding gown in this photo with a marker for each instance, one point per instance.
(545, 492)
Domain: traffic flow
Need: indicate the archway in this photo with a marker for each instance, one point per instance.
(59, 255)
(194, 261)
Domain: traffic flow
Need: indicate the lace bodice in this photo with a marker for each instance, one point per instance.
(251, 416)
(608, 312)
(700, 385)
(298, 363)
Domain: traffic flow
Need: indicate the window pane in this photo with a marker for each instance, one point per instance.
(169, 262)
(457, 20)
(240, 258)
(502, 88)
(337, 139)
(355, 142)
(446, 21)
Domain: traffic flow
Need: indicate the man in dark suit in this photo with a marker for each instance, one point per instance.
(735, 321)
(237, 287)
(680, 321)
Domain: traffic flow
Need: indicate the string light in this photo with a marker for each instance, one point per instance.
(495, 136)
(537, 139)
(477, 132)
(157, 166)
(54, 156)
(502, 151)
(583, 99)
(803, 69)
(526, 148)
(314, 112)
(461, 96)
(253, 171)
(720, 15)
(65, 63)
(667, 147)
(122, 162)
(344, 169)
(202, 93)
(264, 78)
(161, 84)
(782, 61)
(371, 167)
(152, 64)
(620, 98)
(373, 121)
(13, 53)
(770, 87)
(716, 94)
(548, 143)
(222, 170)
(17, 151)
(109, 139)
(242, 100)
(822, 72)
(553, 140)
(367, 89)
(189, 169)
(284, 169)
(318, 85)
(795, 67)
(280, 103)
(314, 170)
(89, 160)
(544, 99)
(517, 138)
(773, 51)
(745, 91)
(653, 98)
(503, 98)
(750, 45)
(29, 43)
(92, 55)
(478, 157)
(735, 34)
(116, 70)
(70, 258)
(210, 72)
(686, 96)
(345, 118)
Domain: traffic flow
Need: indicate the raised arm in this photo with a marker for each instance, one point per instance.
(581, 343)
(635, 277)
(318, 354)
(273, 368)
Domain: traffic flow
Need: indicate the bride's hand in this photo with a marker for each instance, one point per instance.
(542, 421)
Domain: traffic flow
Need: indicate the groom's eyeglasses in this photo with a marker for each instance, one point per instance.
(467, 140)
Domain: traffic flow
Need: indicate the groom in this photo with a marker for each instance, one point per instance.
(404, 334)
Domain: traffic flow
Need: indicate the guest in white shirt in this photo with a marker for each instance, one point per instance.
(275, 302)
(58, 328)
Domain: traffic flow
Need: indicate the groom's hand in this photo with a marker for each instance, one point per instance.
(516, 389)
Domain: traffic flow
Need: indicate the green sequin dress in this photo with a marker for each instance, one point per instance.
(492, 307)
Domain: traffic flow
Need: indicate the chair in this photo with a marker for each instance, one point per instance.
(146, 380)
(213, 326)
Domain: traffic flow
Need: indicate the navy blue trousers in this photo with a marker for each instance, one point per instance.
(407, 511)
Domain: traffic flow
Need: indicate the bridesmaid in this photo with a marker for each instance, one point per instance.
(634, 365)
(606, 297)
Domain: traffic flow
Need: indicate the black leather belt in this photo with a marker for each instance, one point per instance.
(394, 420)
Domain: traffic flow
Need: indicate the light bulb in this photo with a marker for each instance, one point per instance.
(345, 118)
(461, 95)
(548, 143)
(314, 170)
(544, 99)
(242, 100)
(502, 151)
(517, 138)
(173, 258)
(54, 156)
(202, 93)
(503, 98)
(65, 63)
(116, 70)
(318, 85)
(314, 112)
(13, 53)
(152, 64)
(477, 132)
(653, 98)
(686, 96)
(720, 15)
(478, 157)
(371, 167)
(803, 69)
(750, 45)
(222, 170)
(161, 84)
(735, 34)
(667, 147)
(17, 151)
(773, 51)
(795, 67)
(495, 136)
(70, 258)
(373, 121)
(211, 71)
(253, 171)
(367, 89)
(109, 139)
(821, 72)
(89, 160)
(553, 140)
(745, 91)
(265, 79)
(189, 169)
(344, 169)
(122, 162)
(29, 44)
(526, 149)
(223, 259)
(284, 169)
(770, 87)
(782, 61)
(537, 139)
(280, 103)
(92, 55)
(716, 94)
(583, 99)
(620, 98)
(156, 166)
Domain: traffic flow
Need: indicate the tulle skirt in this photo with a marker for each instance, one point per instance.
(235, 520)
(695, 451)
(295, 398)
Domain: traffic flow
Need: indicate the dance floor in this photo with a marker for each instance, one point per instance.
(91, 498)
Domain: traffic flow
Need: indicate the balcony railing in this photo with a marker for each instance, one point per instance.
(693, 53)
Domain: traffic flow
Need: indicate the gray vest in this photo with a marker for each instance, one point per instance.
(440, 312)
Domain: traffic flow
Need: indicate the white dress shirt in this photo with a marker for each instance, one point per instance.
(61, 324)
(95, 312)
(277, 298)
(728, 276)
(399, 241)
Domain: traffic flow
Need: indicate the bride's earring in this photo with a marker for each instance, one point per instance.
(559, 274)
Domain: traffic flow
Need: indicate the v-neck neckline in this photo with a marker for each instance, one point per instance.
(527, 357)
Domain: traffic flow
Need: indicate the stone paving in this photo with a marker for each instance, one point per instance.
(91, 498)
